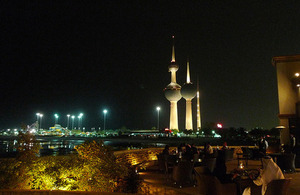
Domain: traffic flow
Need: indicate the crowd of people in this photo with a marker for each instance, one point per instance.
(270, 170)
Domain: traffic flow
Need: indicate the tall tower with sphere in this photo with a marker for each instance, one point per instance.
(172, 91)
(188, 92)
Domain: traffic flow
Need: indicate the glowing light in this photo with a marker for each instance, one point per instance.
(105, 111)
(158, 108)
(219, 125)
(297, 74)
(298, 85)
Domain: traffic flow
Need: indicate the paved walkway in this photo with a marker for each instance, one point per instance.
(156, 183)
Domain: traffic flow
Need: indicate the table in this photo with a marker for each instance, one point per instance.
(286, 161)
(243, 180)
(242, 156)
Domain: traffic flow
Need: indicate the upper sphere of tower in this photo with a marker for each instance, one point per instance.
(188, 91)
(172, 92)
(173, 67)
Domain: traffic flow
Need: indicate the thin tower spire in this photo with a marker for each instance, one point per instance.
(188, 79)
(198, 106)
(173, 49)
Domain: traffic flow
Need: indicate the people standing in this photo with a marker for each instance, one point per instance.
(292, 143)
(263, 146)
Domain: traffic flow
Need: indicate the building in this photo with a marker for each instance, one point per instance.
(172, 91)
(188, 92)
(288, 82)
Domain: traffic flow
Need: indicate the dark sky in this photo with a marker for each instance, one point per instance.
(83, 56)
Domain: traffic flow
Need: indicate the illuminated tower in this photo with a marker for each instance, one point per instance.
(172, 91)
(188, 92)
(198, 108)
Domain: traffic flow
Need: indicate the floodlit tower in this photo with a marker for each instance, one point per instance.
(172, 91)
(198, 108)
(188, 92)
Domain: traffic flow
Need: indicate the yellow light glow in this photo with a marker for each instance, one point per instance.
(297, 74)
(298, 85)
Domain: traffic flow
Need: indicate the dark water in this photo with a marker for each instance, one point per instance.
(54, 146)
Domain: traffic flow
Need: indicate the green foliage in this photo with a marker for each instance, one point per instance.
(175, 131)
(95, 168)
(27, 146)
(256, 133)
(101, 167)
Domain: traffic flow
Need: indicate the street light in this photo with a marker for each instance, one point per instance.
(81, 116)
(37, 116)
(56, 118)
(41, 117)
(158, 109)
(68, 120)
(73, 117)
(104, 117)
(79, 120)
(37, 119)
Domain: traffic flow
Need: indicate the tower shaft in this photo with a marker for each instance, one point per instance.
(173, 76)
(188, 118)
(173, 115)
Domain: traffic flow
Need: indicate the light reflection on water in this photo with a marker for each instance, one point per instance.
(54, 147)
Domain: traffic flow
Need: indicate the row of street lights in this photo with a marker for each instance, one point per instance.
(56, 116)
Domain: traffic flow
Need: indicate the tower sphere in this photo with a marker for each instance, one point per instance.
(172, 92)
(173, 67)
(188, 91)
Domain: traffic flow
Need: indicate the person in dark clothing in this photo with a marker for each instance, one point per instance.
(221, 169)
(263, 145)
(194, 149)
(166, 151)
(188, 151)
(292, 143)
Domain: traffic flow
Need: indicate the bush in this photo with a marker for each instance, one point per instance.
(95, 168)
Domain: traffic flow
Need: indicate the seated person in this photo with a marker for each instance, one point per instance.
(209, 150)
(270, 172)
(166, 151)
(188, 152)
(221, 169)
(224, 147)
(194, 149)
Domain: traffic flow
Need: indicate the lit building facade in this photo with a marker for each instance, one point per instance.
(188, 92)
(172, 91)
(288, 82)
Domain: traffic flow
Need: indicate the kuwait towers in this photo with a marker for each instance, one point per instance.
(172, 91)
(188, 92)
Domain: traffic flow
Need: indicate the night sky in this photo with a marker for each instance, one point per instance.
(68, 57)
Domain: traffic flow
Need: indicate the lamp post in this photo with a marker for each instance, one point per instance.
(56, 118)
(104, 117)
(79, 117)
(158, 109)
(73, 117)
(80, 120)
(68, 115)
(37, 120)
(41, 117)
